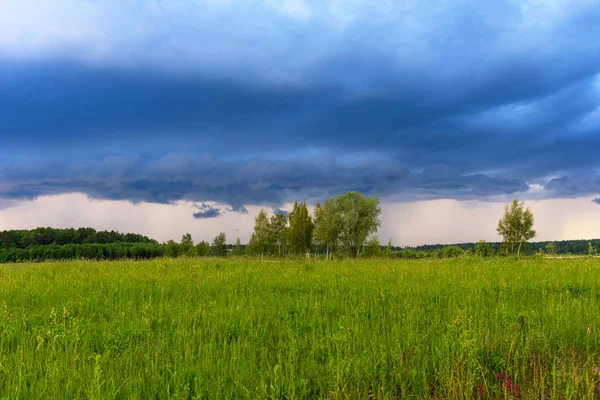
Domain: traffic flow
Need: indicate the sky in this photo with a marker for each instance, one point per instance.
(172, 116)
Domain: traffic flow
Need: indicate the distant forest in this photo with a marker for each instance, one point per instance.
(86, 243)
(61, 244)
(564, 247)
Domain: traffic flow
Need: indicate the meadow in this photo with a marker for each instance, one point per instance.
(462, 328)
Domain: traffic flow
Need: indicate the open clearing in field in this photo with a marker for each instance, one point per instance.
(192, 328)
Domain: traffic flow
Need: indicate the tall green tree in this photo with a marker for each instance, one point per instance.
(252, 248)
(300, 233)
(219, 245)
(388, 249)
(172, 249)
(328, 226)
(237, 248)
(318, 238)
(516, 227)
(262, 235)
(203, 249)
(551, 248)
(186, 248)
(278, 228)
(358, 217)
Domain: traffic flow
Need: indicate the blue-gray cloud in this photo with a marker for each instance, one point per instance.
(211, 211)
(596, 200)
(464, 102)
(278, 211)
(206, 211)
(238, 209)
(272, 183)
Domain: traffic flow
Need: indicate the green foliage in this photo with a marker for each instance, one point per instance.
(349, 219)
(573, 247)
(451, 252)
(237, 248)
(186, 247)
(203, 249)
(252, 249)
(551, 248)
(278, 232)
(22, 239)
(93, 251)
(482, 249)
(172, 249)
(516, 227)
(245, 329)
(262, 237)
(300, 232)
(219, 245)
(540, 253)
(388, 249)
(319, 230)
(372, 248)
(186, 240)
(409, 253)
(328, 226)
(591, 249)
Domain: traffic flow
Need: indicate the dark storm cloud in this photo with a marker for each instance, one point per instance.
(574, 185)
(175, 178)
(465, 102)
(203, 178)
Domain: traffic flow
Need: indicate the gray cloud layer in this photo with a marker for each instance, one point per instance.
(238, 183)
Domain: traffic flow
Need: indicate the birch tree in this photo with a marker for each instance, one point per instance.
(327, 226)
(516, 227)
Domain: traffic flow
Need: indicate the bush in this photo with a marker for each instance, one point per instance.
(482, 249)
(451, 252)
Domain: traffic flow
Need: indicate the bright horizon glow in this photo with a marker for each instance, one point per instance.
(407, 224)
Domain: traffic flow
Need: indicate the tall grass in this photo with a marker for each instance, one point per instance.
(220, 329)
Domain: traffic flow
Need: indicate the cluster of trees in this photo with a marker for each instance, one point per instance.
(342, 223)
(218, 248)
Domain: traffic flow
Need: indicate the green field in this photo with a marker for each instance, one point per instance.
(208, 328)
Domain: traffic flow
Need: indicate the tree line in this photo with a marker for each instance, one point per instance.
(23, 239)
(343, 226)
(42, 244)
(88, 251)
